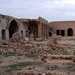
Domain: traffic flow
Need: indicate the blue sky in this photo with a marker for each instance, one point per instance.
(52, 10)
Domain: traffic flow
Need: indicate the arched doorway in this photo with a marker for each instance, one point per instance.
(13, 28)
(33, 29)
(70, 32)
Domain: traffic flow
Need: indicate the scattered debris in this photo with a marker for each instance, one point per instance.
(16, 37)
(25, 45)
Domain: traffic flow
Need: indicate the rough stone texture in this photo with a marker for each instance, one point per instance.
(32, 28)
(23, 46)
(16, 37)
(38, 73)
(33, 73)
(51, 57)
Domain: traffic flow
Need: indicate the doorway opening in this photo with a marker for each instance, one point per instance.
(70, 32)
(33, 29)
(58, 32)
(13, 28)
(3, 34)
(62, 32)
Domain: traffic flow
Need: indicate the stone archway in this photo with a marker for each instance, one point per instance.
(70, 32)
(33, 29)
(13, 28)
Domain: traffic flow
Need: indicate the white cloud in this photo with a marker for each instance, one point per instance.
(64, 2)
(70, 14)
(68, 1)
(49, 9)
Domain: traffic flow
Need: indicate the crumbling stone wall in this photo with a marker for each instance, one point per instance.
(6, 21)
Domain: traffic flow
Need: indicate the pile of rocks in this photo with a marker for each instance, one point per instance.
(36, 73)
(20, 45)
(16, 37)
(51, 57)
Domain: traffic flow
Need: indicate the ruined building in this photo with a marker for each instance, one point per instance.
(62, 28)
(39, 28)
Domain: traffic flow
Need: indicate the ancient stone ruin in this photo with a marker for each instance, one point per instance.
(36, 28)
(29, 36)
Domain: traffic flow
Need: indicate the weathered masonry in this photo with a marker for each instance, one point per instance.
(63, 28)
(39, 28)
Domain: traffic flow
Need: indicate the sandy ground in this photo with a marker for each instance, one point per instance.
(40, 67)
(65, 67)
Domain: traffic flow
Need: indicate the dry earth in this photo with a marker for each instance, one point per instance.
(33, 64)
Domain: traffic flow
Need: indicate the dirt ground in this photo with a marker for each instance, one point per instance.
(16, 64)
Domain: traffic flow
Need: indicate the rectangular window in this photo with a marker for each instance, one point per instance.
(58, 32)
(62, 32)
(3, 34)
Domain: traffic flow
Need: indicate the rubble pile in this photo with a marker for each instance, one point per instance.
(16, 37)
(24, 45)
(51, 57)
(36, 73)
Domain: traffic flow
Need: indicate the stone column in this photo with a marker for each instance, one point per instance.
(24, 33)
(43, 31)
(40, 30)
(66, 34)
(60, 32)
(7, 34)
(47, 31)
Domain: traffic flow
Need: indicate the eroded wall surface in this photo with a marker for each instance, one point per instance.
(63, 28)
(9, 25)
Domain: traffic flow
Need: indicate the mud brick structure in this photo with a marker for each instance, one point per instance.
(39, 28)
(62, 28)
(36, 28)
